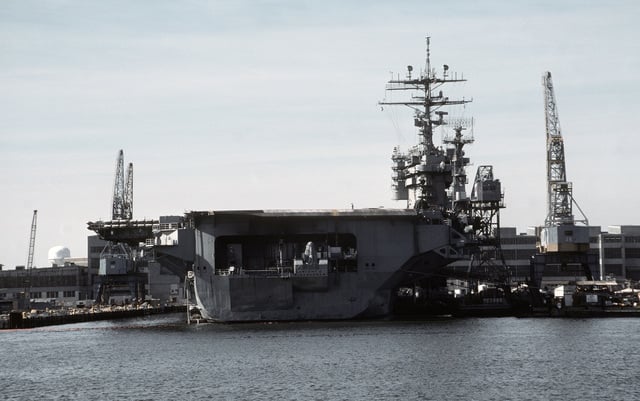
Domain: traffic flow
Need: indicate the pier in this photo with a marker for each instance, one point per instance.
(24, 320)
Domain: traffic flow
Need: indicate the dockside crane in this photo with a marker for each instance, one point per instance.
(118, 260)
(563, 241)
(560, 199)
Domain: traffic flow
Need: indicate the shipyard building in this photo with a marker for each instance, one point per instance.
(618, 250)
(78, 282)
(46, 287)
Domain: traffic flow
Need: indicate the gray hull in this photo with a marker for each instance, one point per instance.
(237, 278)
(246, 298)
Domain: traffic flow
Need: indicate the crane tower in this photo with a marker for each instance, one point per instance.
(563, 242)
(128, 194)
(119, 275)
(560, 232)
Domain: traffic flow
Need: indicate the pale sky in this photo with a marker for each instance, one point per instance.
(273, 105)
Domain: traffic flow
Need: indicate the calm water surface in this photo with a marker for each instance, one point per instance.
(161, 358)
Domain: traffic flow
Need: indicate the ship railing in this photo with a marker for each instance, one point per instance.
(167, 226)
(269, 272)
(312, 273)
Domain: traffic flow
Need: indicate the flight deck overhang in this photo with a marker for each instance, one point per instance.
(369, 212)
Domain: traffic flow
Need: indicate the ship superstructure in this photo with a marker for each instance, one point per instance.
(431, 178)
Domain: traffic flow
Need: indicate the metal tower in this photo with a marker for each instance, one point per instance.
(563, 245)
(559, 191)
(122, 196)
(118, 189)
(560, 233)
(118, 271)
(128, 194)
(423, 175)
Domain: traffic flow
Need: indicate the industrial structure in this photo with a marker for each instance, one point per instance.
(24, 302)
(122, 194)
(120, 277)
(563, 242)
(135, 258)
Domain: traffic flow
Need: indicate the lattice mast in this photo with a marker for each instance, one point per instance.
(423, 175)
(118, 189)
(122, 194)
(128, 194)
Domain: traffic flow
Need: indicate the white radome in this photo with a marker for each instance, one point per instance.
(58, 254)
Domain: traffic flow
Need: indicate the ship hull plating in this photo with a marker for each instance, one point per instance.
(320, 265)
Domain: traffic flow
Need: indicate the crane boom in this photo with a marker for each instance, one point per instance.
(559, 191)
(32, 240)
(128, 194)
(32, 245)
(122, 191)
(118, 189)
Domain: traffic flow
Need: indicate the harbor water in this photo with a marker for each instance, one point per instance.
(163, 358)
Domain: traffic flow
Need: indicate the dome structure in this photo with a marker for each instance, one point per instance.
(57, 255)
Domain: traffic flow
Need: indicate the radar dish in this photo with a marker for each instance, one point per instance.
(58, 254)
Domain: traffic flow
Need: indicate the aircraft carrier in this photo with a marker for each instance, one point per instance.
(270, 265)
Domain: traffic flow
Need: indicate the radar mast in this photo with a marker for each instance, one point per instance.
(423, 175)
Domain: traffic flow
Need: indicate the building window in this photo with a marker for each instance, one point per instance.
(525, 253)
(52, 294)
(69, 294)
(614, 269)
(508, 254)
(613, 253)
(530, 240)
(632, 253)
(35, 294)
